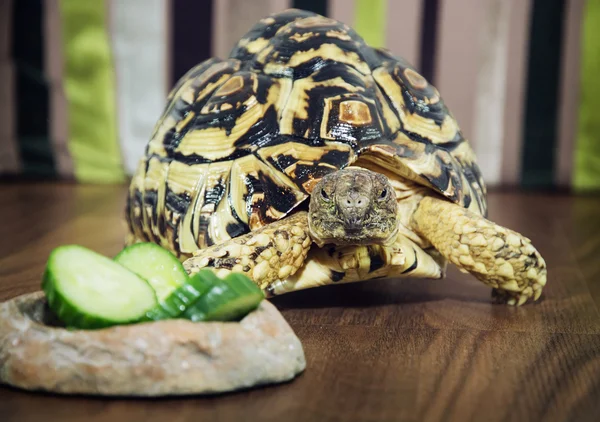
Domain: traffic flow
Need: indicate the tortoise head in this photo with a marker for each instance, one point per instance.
(353, 206)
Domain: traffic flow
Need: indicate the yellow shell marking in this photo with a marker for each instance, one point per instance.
(355, 113)
(218, 174)
(234, 84)
(353, 104)
(302, 37)
(255, 46)
(305, 154)
(154, 181)
(315, 21)
(187, 240)
(414, 122)
(267, 21)
(183, 178)
(186, 93)
(415, 79)
(183, 122)
(137, 184)
(214, 143)
(330, 51)
(338, 34)
(390, 118)
(297, 104)
(242, 167)
(156, 146)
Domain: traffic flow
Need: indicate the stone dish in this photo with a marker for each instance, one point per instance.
(173, 357)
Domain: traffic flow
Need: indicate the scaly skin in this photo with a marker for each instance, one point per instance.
(337, 264)
(273, 255)
(497, 256)
(273, 252)
(353, 214)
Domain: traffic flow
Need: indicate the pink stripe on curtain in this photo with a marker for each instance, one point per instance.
(9, 153)
(456, 65)
(518, 48)
(233, 18)
(342, 10)
(59, 127)
(403, 30)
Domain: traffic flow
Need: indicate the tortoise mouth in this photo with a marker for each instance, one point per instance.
(361, 234)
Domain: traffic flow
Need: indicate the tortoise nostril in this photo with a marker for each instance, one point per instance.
(355, 202)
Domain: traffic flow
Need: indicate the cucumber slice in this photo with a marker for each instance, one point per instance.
(184, 296)
(156, 265)
(229, 299)
(88, 290)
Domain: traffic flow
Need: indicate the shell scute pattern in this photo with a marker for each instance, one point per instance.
(242, 141)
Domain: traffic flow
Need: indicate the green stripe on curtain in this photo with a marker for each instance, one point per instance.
(370, 21)
(543, 81)
(569, 93)
(90, 90)
(587, 155)
(316, 6)
(32, 108)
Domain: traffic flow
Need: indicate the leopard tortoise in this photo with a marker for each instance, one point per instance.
(309, 158)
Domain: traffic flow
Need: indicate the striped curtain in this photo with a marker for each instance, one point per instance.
(83, 82)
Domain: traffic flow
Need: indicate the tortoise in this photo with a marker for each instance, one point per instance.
(309, 158)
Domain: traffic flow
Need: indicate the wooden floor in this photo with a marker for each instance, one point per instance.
(389, 350)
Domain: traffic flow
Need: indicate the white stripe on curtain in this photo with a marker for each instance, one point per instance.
(139, 42)
(491, 89)
(10, 162)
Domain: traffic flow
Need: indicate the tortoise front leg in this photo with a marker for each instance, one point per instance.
(333, 264)
(497, 256)
(270, 253)
(275, 258)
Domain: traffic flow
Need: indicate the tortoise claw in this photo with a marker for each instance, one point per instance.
(516, 298)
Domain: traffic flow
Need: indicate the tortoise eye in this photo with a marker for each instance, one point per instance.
(324, 195)
(383, 194)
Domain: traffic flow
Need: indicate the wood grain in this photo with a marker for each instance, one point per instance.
(384, 350)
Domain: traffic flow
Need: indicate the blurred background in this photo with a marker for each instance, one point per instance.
(83, 82)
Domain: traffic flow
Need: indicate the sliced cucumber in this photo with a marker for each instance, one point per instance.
(158, 266)
(229, 299)
(184, 296)
(88, 290)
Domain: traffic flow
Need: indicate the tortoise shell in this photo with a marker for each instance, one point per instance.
(242, 141)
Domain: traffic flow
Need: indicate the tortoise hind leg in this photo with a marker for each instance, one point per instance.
(272, 252)
(497, 256)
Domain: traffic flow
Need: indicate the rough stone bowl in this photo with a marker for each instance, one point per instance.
(173, 357)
